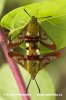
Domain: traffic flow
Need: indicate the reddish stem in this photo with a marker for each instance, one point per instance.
(13, 66)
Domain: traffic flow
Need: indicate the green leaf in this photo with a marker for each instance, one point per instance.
(18, 17)
(55, 26)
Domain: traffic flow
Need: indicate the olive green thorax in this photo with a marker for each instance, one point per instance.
(33, 26)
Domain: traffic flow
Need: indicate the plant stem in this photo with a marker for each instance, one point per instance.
(14, 68)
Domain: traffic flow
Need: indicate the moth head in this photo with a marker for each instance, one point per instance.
(33, 19)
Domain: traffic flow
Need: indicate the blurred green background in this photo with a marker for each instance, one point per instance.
(52, 79)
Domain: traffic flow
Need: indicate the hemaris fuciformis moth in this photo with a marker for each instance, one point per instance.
(33, 34)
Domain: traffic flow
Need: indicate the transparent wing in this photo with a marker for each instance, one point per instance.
(18, 35)
(46, 40)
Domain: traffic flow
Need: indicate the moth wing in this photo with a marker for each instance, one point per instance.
(18, 37)
(23, 32)
(17, 56)
(48, 58)
(46, 40)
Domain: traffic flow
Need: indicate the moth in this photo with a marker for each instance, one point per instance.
(32, 35)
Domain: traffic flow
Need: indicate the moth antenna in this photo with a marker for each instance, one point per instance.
(27, 13)
(45, 17)
(28, 84)
(37, 86)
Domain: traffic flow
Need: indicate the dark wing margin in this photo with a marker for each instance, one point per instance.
(46, 40)
(48, 58)
(18, 39)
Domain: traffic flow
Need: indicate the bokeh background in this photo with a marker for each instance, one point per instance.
(54, 72)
